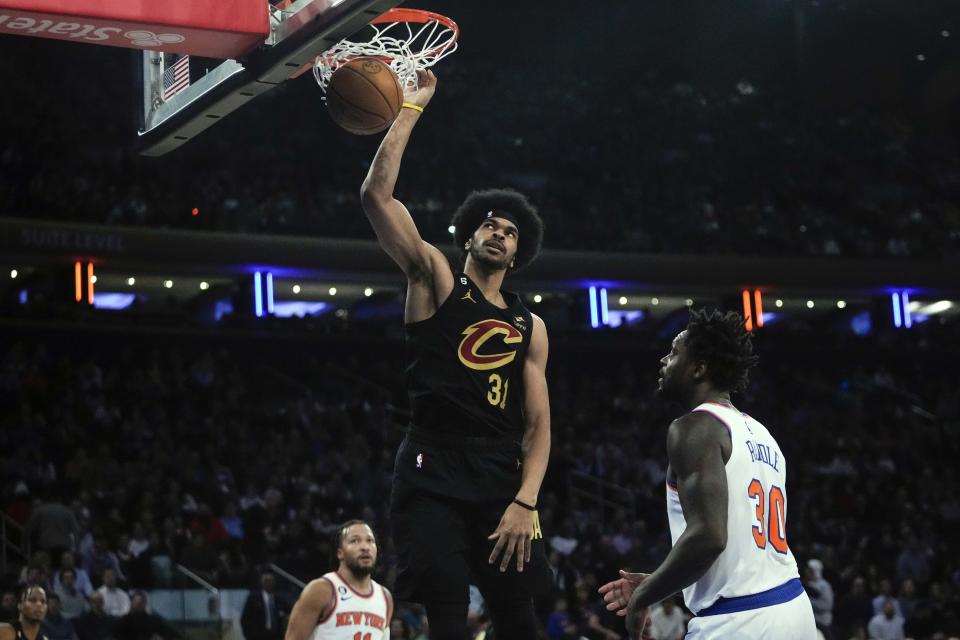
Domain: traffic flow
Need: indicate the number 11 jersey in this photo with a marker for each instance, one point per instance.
(757, 557)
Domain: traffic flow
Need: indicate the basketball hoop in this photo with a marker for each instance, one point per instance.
(407, 40)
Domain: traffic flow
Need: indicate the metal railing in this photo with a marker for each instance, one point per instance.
(286, 575)
(607, 495)
(13, 539)
(200, 615)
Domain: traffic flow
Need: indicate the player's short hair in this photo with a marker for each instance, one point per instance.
(340, 534)
(723, 342)
(26, 590)
(470, 215)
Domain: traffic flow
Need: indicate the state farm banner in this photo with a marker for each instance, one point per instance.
(209, 28)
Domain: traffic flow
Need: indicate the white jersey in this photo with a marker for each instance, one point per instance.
(355, 616)
(756, 557)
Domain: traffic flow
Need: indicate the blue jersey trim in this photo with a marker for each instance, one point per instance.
(778, 595)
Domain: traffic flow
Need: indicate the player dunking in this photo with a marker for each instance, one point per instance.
(726, 502)
(346, 604)
(467, 475)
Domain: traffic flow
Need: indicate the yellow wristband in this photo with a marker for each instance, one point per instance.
(415, 107)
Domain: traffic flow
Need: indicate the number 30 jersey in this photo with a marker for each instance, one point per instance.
(465, 365)
(756, 557)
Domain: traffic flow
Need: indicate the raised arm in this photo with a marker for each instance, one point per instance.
(315, 603)
(391, 221)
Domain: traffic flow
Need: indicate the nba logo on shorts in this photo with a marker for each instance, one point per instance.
(419, 461)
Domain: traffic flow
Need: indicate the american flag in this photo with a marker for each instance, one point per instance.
(176, 77)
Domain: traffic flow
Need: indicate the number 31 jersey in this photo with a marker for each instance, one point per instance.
(756, 557)
(465, 365)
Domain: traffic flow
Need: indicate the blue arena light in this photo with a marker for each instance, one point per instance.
(269, 292)
(258, 295)
(895, 299)
(112, 300)
(300, 308)
(907, 317)
(594, 316)
(861, 323)
(604, 310)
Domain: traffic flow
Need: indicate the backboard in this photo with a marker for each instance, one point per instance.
(174, 112)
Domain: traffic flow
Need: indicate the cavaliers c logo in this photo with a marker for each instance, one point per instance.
(479, 333)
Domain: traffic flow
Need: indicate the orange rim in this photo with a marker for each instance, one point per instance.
(418, 16)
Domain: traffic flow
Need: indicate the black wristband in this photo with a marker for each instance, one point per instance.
(524, 505)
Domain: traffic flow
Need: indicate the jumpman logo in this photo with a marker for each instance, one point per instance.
(469, 296)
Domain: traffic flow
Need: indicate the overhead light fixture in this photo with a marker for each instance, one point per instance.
(623, 300)
(810, 304)
(13, 273)
(295, 288)
(168, 284)
(654, 301)
(779, 303)
(688, 302)
(332, 291)
(131, 281)
(368, 292)
(841, 304)
(936, 307)
(93, 279)
(538, 298)
(204, 286)
(452, 229)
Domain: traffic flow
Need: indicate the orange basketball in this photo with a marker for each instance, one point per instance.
(364, 96)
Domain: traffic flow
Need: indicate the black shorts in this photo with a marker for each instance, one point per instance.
(441, 523)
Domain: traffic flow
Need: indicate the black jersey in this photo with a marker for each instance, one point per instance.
(20, 635)
(465, 365)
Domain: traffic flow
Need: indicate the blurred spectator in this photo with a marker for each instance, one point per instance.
(854, 609)
(399, 629)
(886, 594)
(140, 624)
(8, 606)
(231, 522)
(54, 524)
(37, 571)
(913, 562)
(68, 561)
(564, 541)
(264, 616)
(886, 625)
(99, 559)
(907, 597)
(55, 625)
(95, 623)
(72, 601)
(558, 622)
(821, 596)
(116, 602)
(667, 621)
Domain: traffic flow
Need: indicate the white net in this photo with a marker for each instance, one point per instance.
(405, 46)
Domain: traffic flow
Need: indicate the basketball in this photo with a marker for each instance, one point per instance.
(364, 96)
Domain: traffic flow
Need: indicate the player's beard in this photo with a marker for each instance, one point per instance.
(360, 570)
(499, 262)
